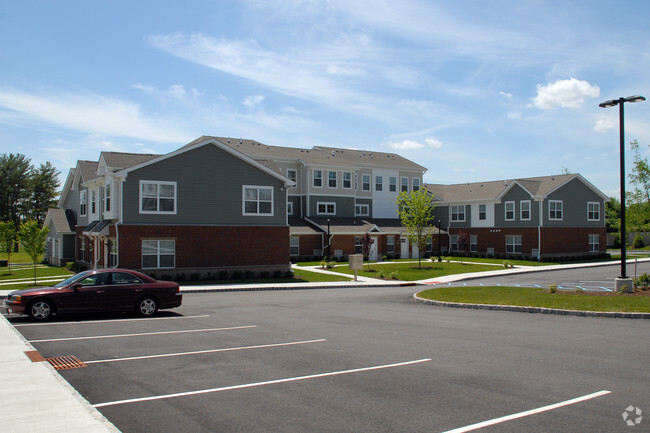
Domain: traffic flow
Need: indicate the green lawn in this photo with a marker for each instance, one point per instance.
(411, 272)
(529, 297)
(26, 276)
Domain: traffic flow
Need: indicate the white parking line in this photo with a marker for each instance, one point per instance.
(527, 413)
(199, 352)
(83, 322)
(251, 385)
(141, 334)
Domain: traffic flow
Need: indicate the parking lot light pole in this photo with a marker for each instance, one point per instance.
(622, 281)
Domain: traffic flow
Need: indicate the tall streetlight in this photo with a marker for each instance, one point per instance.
(622, 280)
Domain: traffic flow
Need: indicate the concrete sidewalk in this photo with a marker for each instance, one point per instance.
(34, 397)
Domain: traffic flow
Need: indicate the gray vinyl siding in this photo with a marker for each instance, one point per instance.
(344, 205)
(441, 213)
(574, 196)
(517, 194)
(208, 190)
(364, 201)
(297, 203)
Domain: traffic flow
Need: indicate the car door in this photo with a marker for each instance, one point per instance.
(124, 291)
(88, 295)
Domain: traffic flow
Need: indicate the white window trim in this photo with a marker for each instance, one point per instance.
(108, 191)
(401, 184)
(521, 210)
(505, 211)
(595, 244)
(313, 179)
(451, 213)
(379, 183)
(416, 183)
(598, 210)
(294, 240)
(336, 179)
(83, 201)
(349, 180)
(158, 212)
(326, 204)
(158, 253)
(561, 210)
(290, 208)
(514, 244)
(363, 184)
(362, 206)
(295, 174)
(243, 201)
(484, 213)
(392, 187)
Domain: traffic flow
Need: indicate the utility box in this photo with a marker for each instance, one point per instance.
(356, 262)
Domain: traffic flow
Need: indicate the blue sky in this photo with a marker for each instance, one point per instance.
(472, 90)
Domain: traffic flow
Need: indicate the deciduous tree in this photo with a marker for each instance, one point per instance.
(32, 238)
(415, 211)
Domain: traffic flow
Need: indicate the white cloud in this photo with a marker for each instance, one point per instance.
(252, 101)
(569, 93)
(412, 144)
(176, 91)
(506, 95)
(604, 125)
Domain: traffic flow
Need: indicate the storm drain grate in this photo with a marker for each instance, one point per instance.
(66, 362)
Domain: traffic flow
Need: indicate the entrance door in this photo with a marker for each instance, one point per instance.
(404, 248)
(374, 247)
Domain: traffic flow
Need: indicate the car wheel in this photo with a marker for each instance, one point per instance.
(146, 307)
(41, 310)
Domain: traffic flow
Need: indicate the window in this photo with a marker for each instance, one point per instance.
(416, 184)
(379, 183)
(83, 202)
(292, 174)
(473, 243)
(294, 245)
(289, 208)
(593, 211)
(93, 201)
(324, 208)
(458, 213)
(555, 210)
(365, 182)
(331, 179)
(362, 210)
(347, 180)
(513, 244)
(510, 210)
(107, 197)
(158, 254)
(390, 244)
(82, 248)
(157, 197)
(112, 255)
(594, 243)
(358, 246)
(258, 200)
(405, 184)
(524, 210)
(454, 242)
(318, 178)
(428, 246)
(392, 184)
(482, 212)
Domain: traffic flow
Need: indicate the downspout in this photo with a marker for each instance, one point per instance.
(539, 230)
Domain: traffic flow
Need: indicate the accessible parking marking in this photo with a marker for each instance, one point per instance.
(256, 384)
(528, 413)
(199, 352)
(141, 334)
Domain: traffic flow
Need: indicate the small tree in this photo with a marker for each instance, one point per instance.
(32, 238)
(7, 240)
(416, 215)
(366, 241)
(463, 244)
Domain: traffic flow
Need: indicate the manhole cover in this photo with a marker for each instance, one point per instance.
(66, 362)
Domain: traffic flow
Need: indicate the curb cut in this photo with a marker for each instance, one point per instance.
(538, 310)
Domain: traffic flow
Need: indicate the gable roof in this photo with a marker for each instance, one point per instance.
(317, 155)
(121, 160)
(537, 187)
(63, 220)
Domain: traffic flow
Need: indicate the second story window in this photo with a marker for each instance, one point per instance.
(258, 200)
(379, 183)
(524, 210)
(458, 213)
(362, 210)
(555, 210)
(482, 212)
(83, 202)
(510, 210)
(405, 184)
(157, 197)
(347, 180)
(392, 184)
(291, 174)
(318, 178)
(324, 208)
(107, 197)
(331, 179)
(93, 201)
(416, 184)
(593, 211)
(365, 182)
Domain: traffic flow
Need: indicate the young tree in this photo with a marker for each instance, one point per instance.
(32, 238)
(640, 176)
(463, 244)
(7, 240)
(366, 241)
(44, 183)
(415, 212)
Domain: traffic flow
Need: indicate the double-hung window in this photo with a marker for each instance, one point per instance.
(258, 200)
(510, 210)
(325, 208)
(416, 184)
(405, 184)
(379, 183)
(365, 182)
(482, 212)
(555, 210)
(93, 201)
(318, 178)
(392, 184)
(158, 254)
(473, 243)
(294, 245)
(157, 197)
(292, 174)
(458, 213)
(594, 243)
(347, 180)
(390, 244)
(83, 202)
(513, 244)
(331, 179)
(107, 197)
(593, 211)
(524, 210)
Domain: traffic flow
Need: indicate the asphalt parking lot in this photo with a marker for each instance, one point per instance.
(351, 360)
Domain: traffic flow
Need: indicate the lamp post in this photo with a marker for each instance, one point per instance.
(327, 256)
(622, 280)
(439, 243)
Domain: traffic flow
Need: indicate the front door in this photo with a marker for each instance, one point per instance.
(374, 247)
(404, 248)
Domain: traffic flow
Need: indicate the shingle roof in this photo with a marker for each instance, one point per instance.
(88, 170)
(63, 219)
(122, 160)
(536, 186)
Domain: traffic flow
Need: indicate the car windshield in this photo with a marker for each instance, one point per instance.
(73, 279)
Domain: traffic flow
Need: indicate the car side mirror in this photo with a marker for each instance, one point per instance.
(76, 287)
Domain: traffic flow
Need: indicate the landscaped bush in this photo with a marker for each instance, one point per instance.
(249, 274)
(76, 267)
(265, 274)
(638, 241)
(236, 275)
(223, 275)
(642, 282)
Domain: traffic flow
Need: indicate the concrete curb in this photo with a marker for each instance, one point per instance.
(539, 310)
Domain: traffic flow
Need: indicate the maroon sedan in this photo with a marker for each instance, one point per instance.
(97, 291)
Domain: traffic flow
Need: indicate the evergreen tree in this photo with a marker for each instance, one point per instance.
(44, 184)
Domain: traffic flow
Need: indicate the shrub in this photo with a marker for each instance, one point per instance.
(638, 241)
(384, 258)
(393, 275)
(508, 264)
(642, 282)
(195, 276)
(552, 288)
(277, 273)
(210, 276)
(380, 275)
(76, 267)
(289, 274)
(236, 275)
(223, 275)
(265, 274)
(249, 274)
